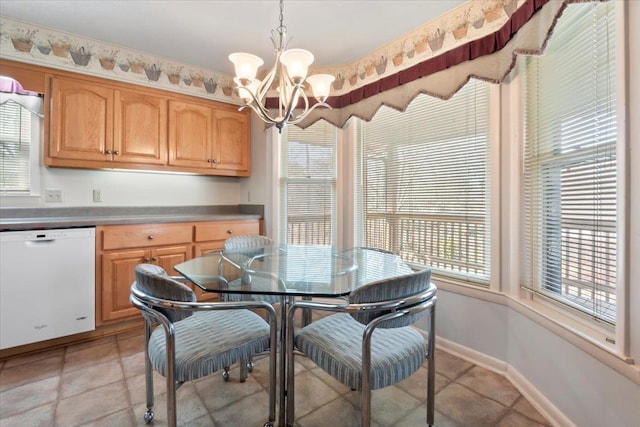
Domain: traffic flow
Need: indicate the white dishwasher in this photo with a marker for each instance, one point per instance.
(47, 284)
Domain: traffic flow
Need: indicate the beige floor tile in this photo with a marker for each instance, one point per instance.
(416, 384)
(311, 393)
(90, 355)
(449, 365)
(391, 404)
(133, 364)
(216, 393)
(526, 408)
(91, 405)
(467, 407)
(119, 419)
(330, 381)
(131, 344)
(16, 375)
(83, 379)
(137, 388)
(490, 384)
(418, 417)
(28, 396)
(21, 360)
(251, 411)
(93, 343)
(514, 419)
(339, 412)
(42, 416)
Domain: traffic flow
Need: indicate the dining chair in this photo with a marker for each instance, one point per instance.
(186, 340)
(368, 343)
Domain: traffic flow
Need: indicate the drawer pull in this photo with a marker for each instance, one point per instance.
(107, 152)
(229, 231)
(151, 237)
(146, 259)
(116, 152)
(154, 259)
(214, 161)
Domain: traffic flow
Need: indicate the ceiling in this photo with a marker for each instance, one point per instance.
(336, 32)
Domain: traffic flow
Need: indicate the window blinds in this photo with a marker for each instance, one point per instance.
(569, 177)
(308, 184)
(15, 140)
(425, 182)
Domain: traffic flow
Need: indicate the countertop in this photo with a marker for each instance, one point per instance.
(42, 218)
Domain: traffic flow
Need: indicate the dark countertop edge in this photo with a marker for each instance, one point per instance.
(29, 219)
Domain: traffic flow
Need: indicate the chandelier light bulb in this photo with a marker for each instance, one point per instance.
(246, 65)
(321, 85)
(297, 62)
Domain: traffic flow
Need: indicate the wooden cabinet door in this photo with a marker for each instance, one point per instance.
(190, 134)
(169, 256)
(140, 128)
(118, 273)
(81, 120)
(232, 140)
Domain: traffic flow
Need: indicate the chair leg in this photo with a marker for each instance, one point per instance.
(244, 370)
(172, 417)
(365, 392)
(148, 375)
(431, 368)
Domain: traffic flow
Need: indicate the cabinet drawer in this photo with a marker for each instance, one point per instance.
(222, 230)
(139, 236)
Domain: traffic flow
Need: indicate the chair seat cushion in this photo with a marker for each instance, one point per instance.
(335, 344)
(208, 341)
(257, 282)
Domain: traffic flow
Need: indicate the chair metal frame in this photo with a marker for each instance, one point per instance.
(399, 308)
(149, 304)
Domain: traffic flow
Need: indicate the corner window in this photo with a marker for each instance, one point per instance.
(424, 183)
(308, 185)
(569, 168)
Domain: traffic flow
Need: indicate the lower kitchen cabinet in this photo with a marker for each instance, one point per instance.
(120, 248)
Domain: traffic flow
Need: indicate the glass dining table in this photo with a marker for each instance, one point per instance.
(293, 271)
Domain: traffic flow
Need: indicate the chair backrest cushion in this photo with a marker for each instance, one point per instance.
(247, 241)
(393, 289)
(154, 281)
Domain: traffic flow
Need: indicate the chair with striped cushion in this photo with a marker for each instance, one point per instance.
(369, 343)
(247, 246)
(186, 340)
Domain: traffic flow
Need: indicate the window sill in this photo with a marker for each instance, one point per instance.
(589, 339)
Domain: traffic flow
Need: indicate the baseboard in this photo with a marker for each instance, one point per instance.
(538, 400)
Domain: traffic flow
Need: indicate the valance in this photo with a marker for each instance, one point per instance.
(489, 58)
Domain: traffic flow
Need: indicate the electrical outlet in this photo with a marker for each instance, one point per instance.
(97, 195)
(52, 195)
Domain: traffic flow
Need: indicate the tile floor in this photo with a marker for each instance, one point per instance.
(101, 383)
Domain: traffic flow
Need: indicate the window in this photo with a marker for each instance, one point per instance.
(308, 184)
(425, 182)
(569, 177)
(20, 125)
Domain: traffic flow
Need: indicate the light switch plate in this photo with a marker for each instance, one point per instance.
(53, 195)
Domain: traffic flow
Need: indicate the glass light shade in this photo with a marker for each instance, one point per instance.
(321, 85)
(246, 65)
(245, 91)
(297, 62)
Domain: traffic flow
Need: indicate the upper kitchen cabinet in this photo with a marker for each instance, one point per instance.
(208, 139)
(91, 122)
(81, 120)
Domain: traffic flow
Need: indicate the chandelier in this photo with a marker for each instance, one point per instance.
(290, 70)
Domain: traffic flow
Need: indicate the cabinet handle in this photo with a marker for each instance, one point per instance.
(151, 237)
(116, 152)
(209, 160)
(154, 258)
(214, 161)
(146, 259)
(229, 231)
(107, 152)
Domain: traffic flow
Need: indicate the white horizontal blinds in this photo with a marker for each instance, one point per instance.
(426, 182)
(569, 182)
(15, 139)
(308, 181)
